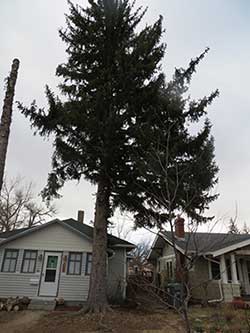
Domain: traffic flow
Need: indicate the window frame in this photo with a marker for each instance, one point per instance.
(89, 255)
(169, 267)
(30, 259)
(211, 271)
(5, 257)
(74, 261)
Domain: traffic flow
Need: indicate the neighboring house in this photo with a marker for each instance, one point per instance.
(219, 263)
(53, 260)
(136, 266)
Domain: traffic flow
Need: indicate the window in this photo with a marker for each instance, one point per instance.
(29, 261)
(10, 261)
(215, 270)
(75, 263)
(88, 264)
(169, 269)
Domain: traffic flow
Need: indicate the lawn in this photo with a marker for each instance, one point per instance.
(122, 320)
(222, 318)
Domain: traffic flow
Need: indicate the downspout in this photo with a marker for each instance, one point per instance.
(219, 282)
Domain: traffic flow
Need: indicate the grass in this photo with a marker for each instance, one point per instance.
(222, 318)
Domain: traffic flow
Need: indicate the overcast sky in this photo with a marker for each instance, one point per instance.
(29, 31)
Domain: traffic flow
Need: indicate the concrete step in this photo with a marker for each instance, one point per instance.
(37, 304)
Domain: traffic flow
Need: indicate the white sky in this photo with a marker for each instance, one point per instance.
(29, 31)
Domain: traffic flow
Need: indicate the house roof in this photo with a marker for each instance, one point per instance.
(202, 242)
(80, 228)
(88, 230)
(7, 234)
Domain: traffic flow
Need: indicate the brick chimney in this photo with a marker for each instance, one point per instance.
(80, 216)
(179, 227)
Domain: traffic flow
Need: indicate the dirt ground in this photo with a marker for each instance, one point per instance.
(11, 322)
(123, 320)
(117, 321)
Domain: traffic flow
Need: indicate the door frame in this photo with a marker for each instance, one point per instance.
(42, 267)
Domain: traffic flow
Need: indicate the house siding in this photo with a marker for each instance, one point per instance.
(19, 284)
(117, 274)
(56, 237)
(168, 250)
(202, 288)
(74, 287)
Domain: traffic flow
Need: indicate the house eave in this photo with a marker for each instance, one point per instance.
(230, 248)
(27, 232)
(172, 244)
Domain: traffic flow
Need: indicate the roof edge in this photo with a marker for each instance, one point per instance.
(230, 248)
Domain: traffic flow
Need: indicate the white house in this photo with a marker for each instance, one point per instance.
(53, 260)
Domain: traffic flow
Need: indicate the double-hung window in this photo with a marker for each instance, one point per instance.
(88, 264)
(29, 261)
(169, 269)
(75, 263)
(215, 270)
(10, 260)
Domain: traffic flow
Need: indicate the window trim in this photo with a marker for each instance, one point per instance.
(25, 251)
(89, 254)
(4, 258)
(210, 270)
(69, 260)
(169, 267)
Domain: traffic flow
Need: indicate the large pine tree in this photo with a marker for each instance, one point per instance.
(174, 169)
(112, 74)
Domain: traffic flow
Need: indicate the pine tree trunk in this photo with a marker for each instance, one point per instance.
(7, 116)
(97, 298)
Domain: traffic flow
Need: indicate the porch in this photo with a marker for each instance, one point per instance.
(235, 274)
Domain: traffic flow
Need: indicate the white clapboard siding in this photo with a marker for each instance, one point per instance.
(74, 287)
(117, 274)
(54, 237)
(18, 284)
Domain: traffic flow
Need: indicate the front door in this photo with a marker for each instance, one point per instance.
(50, 274)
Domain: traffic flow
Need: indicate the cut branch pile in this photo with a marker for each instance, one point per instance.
(14, 304)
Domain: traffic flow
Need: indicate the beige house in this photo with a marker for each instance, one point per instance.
(218, 264)
(54, 260)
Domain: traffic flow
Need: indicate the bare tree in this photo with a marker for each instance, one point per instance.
(246, 229)
(120, 227)
(232, 227)
(7, 117)
(19, 206)
(139, 258)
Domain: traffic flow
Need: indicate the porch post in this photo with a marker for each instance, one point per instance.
(223, 269)
(233, 268)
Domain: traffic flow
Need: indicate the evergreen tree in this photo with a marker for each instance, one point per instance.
(232, 227)
(6, 117)
(174, 167)
(111, 76)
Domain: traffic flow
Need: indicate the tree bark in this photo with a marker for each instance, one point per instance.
(97, 298)
(7, 116)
